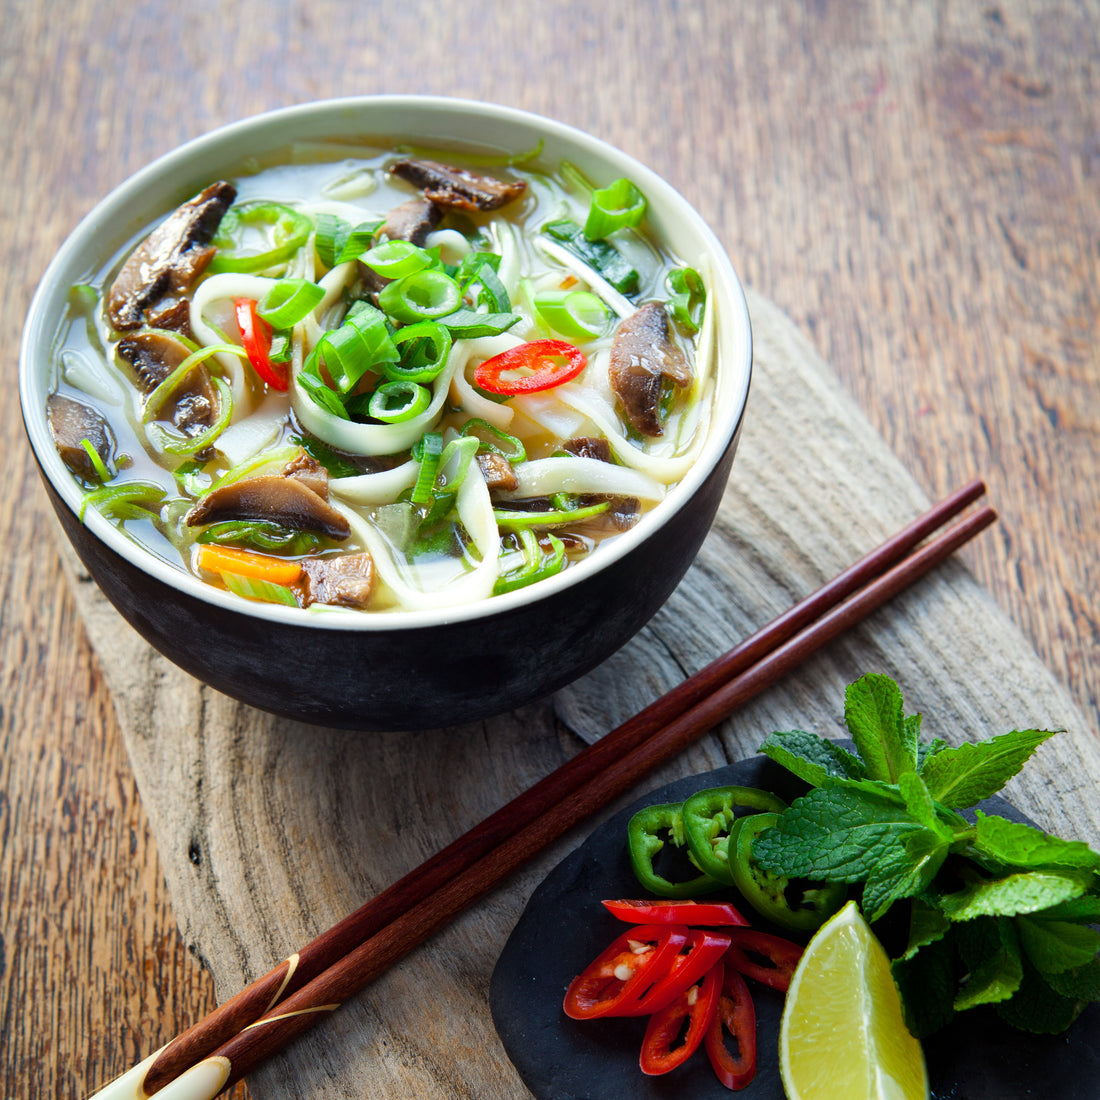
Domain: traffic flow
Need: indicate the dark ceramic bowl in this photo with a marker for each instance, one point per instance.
(401, 670)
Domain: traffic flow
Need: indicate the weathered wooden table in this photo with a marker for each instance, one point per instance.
(914, 186)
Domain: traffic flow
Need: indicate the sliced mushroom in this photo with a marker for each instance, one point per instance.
(71, 422)
(171, 258)
(458, 188)
(154, 355)
(276, 499)
(589, 446)
(347, 580)
(173, 318)
(306, 469)
(498, 472)
(412, 221)
(642, 355)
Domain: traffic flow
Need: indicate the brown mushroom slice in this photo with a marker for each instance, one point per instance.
(347, 580)
(458, 188)
(171, 258)
(642, 355)
(71, 422)
(274, 498)
(498, 472)
(306, 470)
(412, 221)
(154, 356)
(173, 318)
(589, 446)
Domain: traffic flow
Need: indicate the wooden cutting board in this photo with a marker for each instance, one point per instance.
(269, 831)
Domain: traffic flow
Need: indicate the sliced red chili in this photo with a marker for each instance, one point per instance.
(702, 951)
(713, 914)
(256, 339)
(737, 1015)
(624, 970)
(543, 358)
(666, 1044)
(768, 959)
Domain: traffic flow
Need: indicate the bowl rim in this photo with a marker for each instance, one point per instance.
(734, 338)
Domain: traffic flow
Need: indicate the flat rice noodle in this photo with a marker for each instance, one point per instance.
(475, 511)
(572, 474)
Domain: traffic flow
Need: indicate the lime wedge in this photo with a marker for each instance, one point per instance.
(842, 1036)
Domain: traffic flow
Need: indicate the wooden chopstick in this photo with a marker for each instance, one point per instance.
(276, 1007)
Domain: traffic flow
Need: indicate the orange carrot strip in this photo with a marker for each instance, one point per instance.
(217, 559)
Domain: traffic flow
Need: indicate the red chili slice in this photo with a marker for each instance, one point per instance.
(700, 954)
(661, 1049)
(768, 959)
(256, 339)
(737, 1015)
(541, 357)
(692, 913)
(620, 973)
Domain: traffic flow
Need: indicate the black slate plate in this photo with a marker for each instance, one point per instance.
(564, 927)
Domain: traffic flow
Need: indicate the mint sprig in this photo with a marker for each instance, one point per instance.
(1000, 913)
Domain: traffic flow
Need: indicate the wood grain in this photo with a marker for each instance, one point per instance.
(915, 185)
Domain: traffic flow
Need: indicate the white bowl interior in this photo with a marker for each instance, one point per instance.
(426, 121)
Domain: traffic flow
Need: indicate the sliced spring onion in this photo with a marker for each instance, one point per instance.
(493, 294)
(253, 588)
(517, 520)
(425, 347)
(427, 452)
(619, 205)
(469, 324)
(360, 344)
(489, 436)
(605, 258)
(454, 463)
(100, 468)
(689, 294)
(469, 269)
(288, 301)
(578, 314)
(537, 566)
(337, 242)
(286, 231)
(261, 535)
(423, 296)
(122, 500)
(394, 402)
(396, 259)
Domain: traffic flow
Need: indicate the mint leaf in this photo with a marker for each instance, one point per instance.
(1055, 946)
(919, 803)
(991, 951)
(1039, 1008)
(1082, 909)
(1079, 984)
(836, 833)
(927, 986)
(1026, 892)
(1012, 842)
(926, 925)
(964, 775)
(903, 872)
(874, 712)
(813, 759)
(927, 749)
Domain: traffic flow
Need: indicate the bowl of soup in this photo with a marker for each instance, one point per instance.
(388, 412)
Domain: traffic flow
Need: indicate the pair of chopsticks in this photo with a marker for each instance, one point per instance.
(261, 1019)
